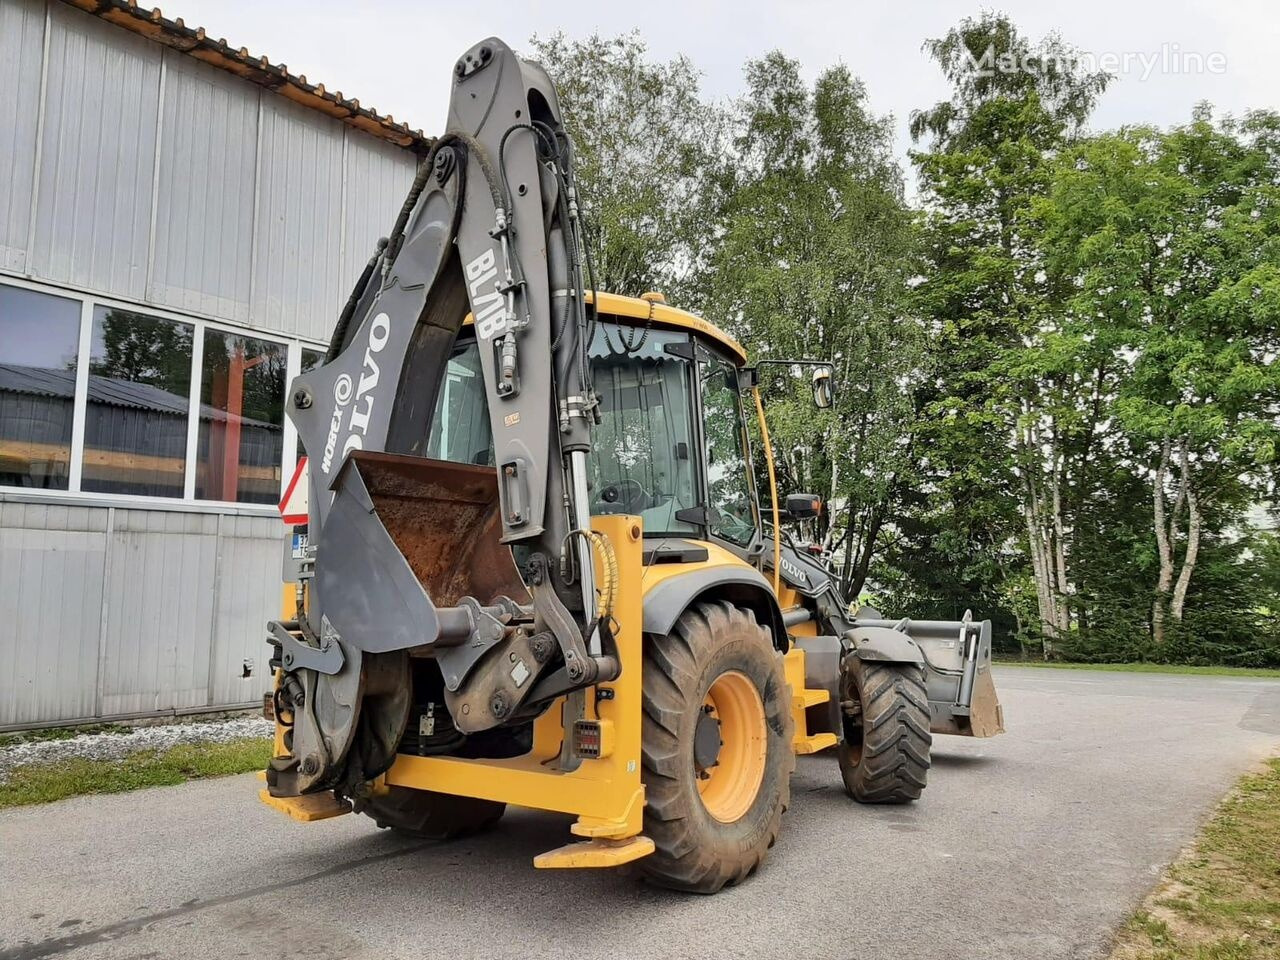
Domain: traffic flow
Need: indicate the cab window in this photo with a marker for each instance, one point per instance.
(643, 449)
(731, 501)
(460, 428)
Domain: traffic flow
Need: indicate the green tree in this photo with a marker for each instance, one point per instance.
(648, 147)
(1172, 241)
(1006, 420)
(815, 251)
(143, 349)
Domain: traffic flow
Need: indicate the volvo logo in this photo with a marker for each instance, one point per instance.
(794, 573)
(345, 391)
(342, 390)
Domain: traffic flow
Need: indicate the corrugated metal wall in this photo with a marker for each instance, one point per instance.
(97, 157)
(52, 565)
(204, 201)
(158, 179)
(299, 224)
(109, 611)
(21, 58)
(133, 171)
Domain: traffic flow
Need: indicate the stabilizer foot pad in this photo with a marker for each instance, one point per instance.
(313, 806)
(600, 852)
(812, 698)
(814, 743)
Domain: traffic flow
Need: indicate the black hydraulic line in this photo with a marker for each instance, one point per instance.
(349, 308)
(629, 345)
(578, 247)
(389, 247)
(411, 200)
(391, 244)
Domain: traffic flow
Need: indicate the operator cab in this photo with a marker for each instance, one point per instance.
(665, 394)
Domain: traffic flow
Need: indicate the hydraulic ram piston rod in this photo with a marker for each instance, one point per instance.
(582, 521)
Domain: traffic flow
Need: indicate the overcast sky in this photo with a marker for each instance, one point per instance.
(396, 55)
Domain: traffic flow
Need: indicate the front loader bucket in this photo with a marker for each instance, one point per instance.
(405, 537)
(957, 655)
(986, 716)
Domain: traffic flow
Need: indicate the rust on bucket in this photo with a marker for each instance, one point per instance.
(443, 517)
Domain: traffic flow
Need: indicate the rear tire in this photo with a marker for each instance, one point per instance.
(713, 812)
(428, 815)
(885, 754)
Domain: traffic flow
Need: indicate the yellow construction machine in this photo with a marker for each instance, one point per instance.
(535, 568)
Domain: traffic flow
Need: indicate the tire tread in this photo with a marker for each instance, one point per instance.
(672, 664)
(896, 741)
(432, 816)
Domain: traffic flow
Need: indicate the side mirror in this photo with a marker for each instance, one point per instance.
(802, 506)
(822, 388)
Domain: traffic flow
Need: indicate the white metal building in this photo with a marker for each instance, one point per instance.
(180, 223)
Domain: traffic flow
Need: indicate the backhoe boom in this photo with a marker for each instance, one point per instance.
(490, 227)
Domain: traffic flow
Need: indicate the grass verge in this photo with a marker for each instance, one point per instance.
(45, 782)
(1221, 899)
(1175, 668)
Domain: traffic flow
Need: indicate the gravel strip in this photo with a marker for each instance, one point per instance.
(114, 746)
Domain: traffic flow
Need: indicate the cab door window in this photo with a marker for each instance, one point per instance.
(460, 428)
(643, 450)
(731, 502)
(641, 458)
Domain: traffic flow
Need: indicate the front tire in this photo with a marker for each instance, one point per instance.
(885, 754)
(716, 748)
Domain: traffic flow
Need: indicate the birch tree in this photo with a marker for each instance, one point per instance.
(813, 261)
(1002, 413)
(1174, 241)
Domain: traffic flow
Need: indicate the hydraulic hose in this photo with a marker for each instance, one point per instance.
(392, 244)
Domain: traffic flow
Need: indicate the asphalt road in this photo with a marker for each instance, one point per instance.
(1034, 845)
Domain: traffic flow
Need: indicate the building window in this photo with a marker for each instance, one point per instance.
(119, 418)
(311, 359)
(242, 381)
(39, 343)
(135, 434)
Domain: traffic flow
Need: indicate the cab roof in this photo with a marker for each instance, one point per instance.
(637, 311)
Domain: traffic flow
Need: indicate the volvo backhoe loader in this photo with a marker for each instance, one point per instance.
(535, 568)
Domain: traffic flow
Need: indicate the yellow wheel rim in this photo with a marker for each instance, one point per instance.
(729, 787)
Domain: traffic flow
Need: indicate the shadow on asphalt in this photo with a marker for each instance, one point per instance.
(960, 759)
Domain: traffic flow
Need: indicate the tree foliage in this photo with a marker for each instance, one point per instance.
(1056, 371)
(1006, 419)
(815, 250)
(140, 348)
(1170, 241)
(648, 147)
